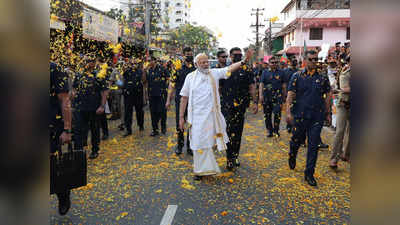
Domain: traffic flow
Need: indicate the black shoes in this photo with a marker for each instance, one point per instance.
(154, 133)
(189, 151)
(230, 165)
(105, 137)
(310, 180)
(322, 145)
(197, 177)
(292, 162)
(64, 202)
(270, 135)
(163, 130)
(127, 133)
(93, 155)
(236, 162)
(178, 150)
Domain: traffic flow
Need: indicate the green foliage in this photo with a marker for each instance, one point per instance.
(116, 14)
(196, 37)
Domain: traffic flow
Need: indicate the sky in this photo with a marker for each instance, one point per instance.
(230, 20)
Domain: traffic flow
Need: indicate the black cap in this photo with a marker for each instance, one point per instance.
(338, 43)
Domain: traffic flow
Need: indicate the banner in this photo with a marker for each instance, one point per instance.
(99, 27)
(58, 25)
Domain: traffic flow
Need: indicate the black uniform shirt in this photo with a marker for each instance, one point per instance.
(179, 78)
(157, 81)
(273, 82)
(133, 84)
(235, 89)
(58, 84)
(311, 91)
(88, 88)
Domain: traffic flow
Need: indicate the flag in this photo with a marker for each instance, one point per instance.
(284, 58)
(303, 65)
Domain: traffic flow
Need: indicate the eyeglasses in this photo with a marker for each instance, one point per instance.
(313, 59)
(223, 56)
(273, 62)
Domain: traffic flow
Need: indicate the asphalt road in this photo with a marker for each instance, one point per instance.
(135, 179)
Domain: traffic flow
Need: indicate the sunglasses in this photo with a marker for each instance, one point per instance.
(237, 55)
(223, 56)
(313, 59)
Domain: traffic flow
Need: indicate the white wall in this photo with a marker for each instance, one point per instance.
(330, 35)
(290, 15)
(184, 8)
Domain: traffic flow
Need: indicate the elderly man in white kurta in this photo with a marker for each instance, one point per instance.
(207, 126)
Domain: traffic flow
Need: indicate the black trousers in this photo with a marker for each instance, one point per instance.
(180, 133)
(269, 109)
(312, 129)
(55, 132)
(130, 102)
(235, 120)
(158, 112)
(85, 120)
(103, 123)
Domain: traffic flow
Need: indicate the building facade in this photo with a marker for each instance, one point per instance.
(174, 13)
(314, 23)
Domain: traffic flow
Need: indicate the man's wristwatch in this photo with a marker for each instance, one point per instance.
(68, 131)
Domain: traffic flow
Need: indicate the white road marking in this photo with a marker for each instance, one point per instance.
(169, 215)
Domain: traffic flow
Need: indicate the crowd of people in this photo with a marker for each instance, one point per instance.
(212, 101)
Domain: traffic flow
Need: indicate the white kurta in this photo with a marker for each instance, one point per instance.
(201, 107)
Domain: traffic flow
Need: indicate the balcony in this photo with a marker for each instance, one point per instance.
(326, 13)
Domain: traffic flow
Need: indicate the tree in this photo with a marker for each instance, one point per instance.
(196, 37)
(116, 14)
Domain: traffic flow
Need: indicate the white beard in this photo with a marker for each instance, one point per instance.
(205, 71)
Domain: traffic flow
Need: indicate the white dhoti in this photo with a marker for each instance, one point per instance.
(205, 163)
(206, 122)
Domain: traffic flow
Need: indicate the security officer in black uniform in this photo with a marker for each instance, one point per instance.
(236, 91)
(222, 62)
(271, 92)
(176, 83)
(222, 59)
(60, 123)
(307, 107)
(157, 77)
(292, 69)
(134, 78)
(91, 95)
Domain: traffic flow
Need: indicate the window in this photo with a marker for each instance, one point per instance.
(178, 20)
(185, 14)
(166, 4)
(348, 33)
(293, 36)
(178, 12)
(315, 33)
(178, 4)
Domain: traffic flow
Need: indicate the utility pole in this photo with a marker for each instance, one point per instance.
(257, 26)
(270, 47)
(147, 17)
